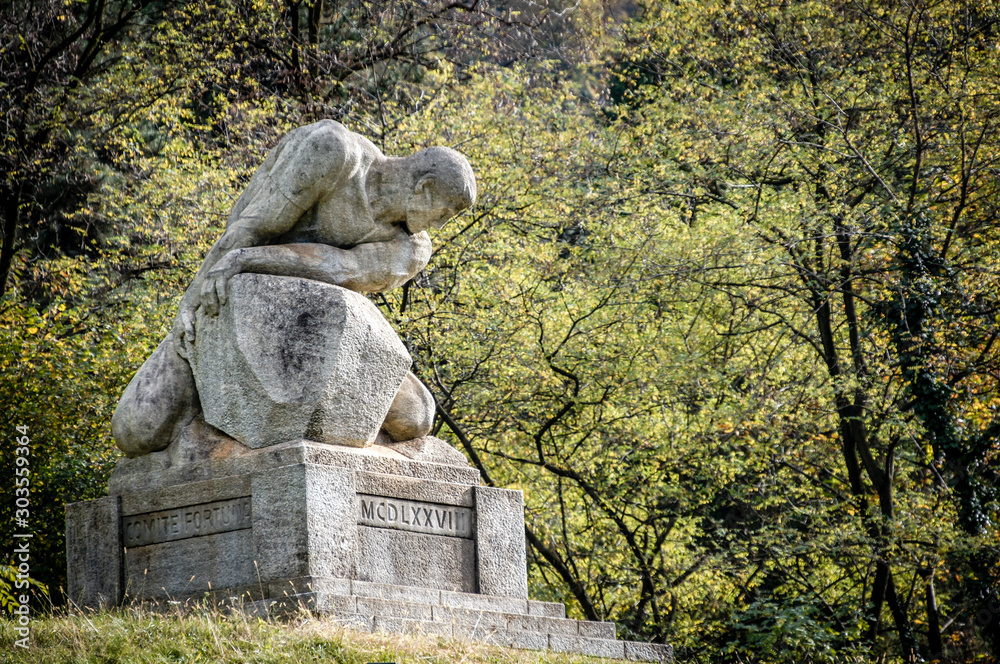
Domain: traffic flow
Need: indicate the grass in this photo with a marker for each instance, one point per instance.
(217, 637)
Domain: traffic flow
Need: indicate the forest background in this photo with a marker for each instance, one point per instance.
(726, 309)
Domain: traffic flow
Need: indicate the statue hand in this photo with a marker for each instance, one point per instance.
(183, 330)
(422, 247)
(214, 289)
(420, 250)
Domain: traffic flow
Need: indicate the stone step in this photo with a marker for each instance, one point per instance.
(500, 621)
(460, 600)
(481, 619)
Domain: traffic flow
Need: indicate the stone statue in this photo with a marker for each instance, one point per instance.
(279, 456)
(325, 206)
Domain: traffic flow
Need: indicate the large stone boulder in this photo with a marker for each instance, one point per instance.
(290, 358)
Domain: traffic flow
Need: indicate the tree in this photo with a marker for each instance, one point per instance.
(51, 51)
(571, 356)
(856, 141)
(730, 324)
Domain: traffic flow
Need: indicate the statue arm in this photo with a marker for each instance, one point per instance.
(372, 267)
(289, 182)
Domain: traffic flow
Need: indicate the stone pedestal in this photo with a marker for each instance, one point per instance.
(379, 540)
(300, 510)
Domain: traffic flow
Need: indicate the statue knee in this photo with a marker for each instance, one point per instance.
(158, 402)
(411, 414)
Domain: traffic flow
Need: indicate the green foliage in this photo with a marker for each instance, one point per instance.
(10, 594)
(580, 368)
(726, 309)
(855, 142)
(57, 382)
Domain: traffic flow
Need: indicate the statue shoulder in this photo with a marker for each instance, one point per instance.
(335, 148)
(308, 157)
(325, 133)
(325, 145)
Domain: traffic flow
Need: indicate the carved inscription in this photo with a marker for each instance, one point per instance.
(419, 517)
(183, 522)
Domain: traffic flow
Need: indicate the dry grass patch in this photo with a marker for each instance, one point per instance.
(214, 636)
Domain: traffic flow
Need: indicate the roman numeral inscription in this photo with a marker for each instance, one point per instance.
(419, 517)
(183, 522)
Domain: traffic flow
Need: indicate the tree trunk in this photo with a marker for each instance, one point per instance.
(315, 23)
(934, 645)
(293, 16)
(8, 247)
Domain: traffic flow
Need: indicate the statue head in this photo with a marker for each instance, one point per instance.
(442, 184)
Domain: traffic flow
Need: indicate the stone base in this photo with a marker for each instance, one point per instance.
(368, 535)
(503, 621)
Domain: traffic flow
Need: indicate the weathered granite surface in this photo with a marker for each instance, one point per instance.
(94, 552)
(411, 414)
(429, 448)
(503, 621)
(308, 514)
(162, 470)
(295, 358)
(302, 509)
(316, 510)
(416, 559)
(157, 404)
(500, 535)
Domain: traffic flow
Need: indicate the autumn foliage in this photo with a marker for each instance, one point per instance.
(727, 309)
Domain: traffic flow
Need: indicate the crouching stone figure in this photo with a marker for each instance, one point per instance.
(326, 205)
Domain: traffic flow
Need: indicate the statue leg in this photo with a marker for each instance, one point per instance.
(412, 411)
(159, 401)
